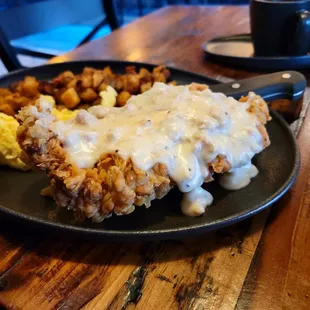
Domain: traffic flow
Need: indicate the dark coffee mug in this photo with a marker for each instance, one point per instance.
(280, 28)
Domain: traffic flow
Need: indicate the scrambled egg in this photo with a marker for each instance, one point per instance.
(9, 147)
(108, 97)
(10, 150)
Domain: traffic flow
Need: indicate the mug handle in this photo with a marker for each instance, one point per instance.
(302, 33)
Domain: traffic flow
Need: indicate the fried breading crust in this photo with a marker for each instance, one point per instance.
(114, 185)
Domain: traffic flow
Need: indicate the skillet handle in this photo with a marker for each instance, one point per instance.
(280, 85)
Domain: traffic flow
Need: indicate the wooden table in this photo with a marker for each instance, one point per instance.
(262, 263)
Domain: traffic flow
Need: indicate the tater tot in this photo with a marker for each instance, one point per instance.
(67, 76)
(133, 83)
(70, 98)
(107, 71)
(98, 78)
(86, 80)
(159, 77)
(72, 83)
(122, 98)
(4, 92)
(145, 75)
(7, 109)
(30, 86)
(88, 95)
(102, 87)
(145, 87)
(17, 102)
(120, 83)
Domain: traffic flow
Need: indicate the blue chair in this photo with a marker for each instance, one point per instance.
(47, 28)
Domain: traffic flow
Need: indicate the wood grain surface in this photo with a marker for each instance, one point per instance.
(261, 263)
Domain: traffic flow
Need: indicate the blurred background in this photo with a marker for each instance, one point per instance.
(39, 29)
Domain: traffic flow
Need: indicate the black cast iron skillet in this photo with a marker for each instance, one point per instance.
(278, 166)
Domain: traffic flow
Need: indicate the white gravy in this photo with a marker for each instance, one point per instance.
(183, 129)
(195, 202)
(239, 177)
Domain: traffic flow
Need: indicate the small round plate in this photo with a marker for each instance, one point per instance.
(278, 167)
(238, 50)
